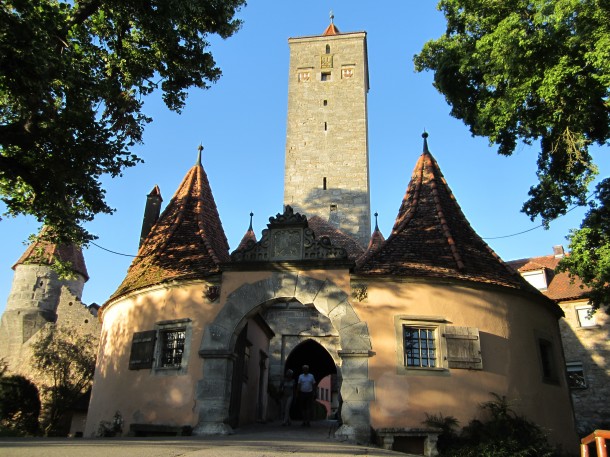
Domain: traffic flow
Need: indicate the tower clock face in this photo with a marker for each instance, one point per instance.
(326, 61)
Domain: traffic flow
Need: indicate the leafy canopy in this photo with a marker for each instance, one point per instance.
(72, 78)
(532, 71)
(65, 361)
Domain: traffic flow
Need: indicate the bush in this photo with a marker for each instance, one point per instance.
(19, 406)
(504, 433)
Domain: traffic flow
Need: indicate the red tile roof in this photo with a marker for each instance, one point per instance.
(249, 239)
(340, 239)
(432, 237)
(43, 252)
(331, 30)
(187, 241)
(560, 287)
(376, 241)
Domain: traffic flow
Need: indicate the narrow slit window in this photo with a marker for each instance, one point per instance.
(328, 49)
(324, 183)
(325, 126)
(325, 103)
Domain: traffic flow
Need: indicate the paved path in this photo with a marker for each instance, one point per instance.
(268, 440)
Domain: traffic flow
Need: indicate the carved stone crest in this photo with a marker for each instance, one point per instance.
(289, 238)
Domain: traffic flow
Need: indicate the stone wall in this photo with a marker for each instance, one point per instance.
(589, 346)
(327, 171)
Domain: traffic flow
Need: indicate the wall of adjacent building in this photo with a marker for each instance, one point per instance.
(589, 346)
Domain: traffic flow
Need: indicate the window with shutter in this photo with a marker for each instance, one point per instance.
(142, 350)
(463, 348)
(420, 347)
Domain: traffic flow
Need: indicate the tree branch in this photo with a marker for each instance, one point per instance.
(84, 11)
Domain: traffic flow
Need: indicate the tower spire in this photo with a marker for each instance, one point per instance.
(251, 215)
(199, 149)
(425, 137)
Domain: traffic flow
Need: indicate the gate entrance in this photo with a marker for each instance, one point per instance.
(321, 365)
(333, 324)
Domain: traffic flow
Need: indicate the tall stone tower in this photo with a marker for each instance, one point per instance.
(327, 164)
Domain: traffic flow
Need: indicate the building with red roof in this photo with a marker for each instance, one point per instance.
(426, 320)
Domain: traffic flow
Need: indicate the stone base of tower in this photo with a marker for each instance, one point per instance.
(212, 428)
(353, 434)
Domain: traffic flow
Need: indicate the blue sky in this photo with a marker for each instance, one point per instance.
(241, 122)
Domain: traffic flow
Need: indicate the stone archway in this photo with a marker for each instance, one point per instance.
(213, 391)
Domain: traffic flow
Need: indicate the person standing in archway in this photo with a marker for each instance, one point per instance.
(305, 390)
(287, 387)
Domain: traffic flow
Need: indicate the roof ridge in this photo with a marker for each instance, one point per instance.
(439, 210)
(200, 221)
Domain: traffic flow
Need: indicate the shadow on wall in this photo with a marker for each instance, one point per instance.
(587, 354)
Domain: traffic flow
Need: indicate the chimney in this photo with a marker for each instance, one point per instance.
(151, 212)
(558, 251)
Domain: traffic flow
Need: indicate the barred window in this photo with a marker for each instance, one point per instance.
(164, 350)
(172, 347)
(419, 347)
(576, 375)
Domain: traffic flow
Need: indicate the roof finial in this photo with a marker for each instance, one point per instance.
(251, 215)
(376, 226)
(425, 137)
(332, 17)
(199, 149)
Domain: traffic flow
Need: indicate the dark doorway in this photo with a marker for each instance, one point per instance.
(321, 364)
(241, 353)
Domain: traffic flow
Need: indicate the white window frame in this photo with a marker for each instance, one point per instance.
(581, 315)
(434, 323)
(574, 367)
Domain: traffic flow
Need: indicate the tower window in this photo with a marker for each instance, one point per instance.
(325, 76)
(325, 126)
(324, 183)
(325, 102)
(328, 49)
(333, 207)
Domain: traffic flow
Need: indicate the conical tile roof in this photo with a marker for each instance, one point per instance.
(186, 242)
(43, 252)
(432, 238)
(377, 239)
(249, 237)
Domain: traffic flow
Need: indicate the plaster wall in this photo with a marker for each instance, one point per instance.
(509, 325)
(150, 396)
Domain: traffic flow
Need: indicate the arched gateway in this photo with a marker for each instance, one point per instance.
(217, 348)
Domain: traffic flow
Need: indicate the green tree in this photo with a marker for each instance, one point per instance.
(532, 71)
(19, 406)
(72, 79)
(65, 360)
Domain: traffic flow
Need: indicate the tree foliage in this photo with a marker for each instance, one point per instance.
(532, 71)
(589, 258)
(65, 361)
(19, 406)
(72, 78)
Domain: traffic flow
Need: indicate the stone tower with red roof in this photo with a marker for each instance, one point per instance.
(327, 163)
(36, 293)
